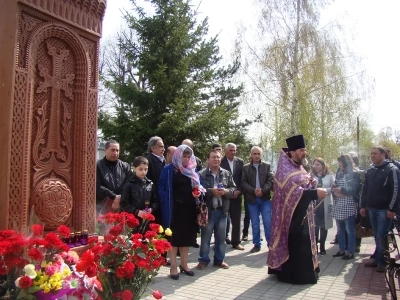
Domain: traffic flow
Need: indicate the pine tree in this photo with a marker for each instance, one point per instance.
(173, 84)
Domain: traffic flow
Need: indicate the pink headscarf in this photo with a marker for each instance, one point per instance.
(190, 169)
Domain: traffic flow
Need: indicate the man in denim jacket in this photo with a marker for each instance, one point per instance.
(220, 188)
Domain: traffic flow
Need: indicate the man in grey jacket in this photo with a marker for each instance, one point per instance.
(220, 188)
(257, 182)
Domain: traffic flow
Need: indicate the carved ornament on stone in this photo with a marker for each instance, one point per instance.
(53, 202)
(52, 149)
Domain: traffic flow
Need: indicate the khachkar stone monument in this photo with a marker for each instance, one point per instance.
(48, 115)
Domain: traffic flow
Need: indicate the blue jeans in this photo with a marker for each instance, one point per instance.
(346, 225)
(217, 225)
(381, 226)
(228, 226)
(246, 220)
(263, 208)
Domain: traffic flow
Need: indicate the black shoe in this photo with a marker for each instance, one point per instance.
(322, 251)
(188, 273)
(255, 249)
(174, 277)
(348, 256)
(338, 254)
(245, 238)
(195, 245)
(335, 241)
(228, 241)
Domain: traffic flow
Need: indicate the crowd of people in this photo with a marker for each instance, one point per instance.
(295, 220)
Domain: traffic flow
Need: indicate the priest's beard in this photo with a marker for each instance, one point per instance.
(304, 162)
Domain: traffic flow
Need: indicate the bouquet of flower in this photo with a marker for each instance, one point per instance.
(12, 246)
(129, 256)
(35, 267)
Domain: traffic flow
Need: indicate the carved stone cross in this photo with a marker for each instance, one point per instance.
(56, 83)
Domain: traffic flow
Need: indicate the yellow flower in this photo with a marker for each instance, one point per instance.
(168, 232)
(160, 229)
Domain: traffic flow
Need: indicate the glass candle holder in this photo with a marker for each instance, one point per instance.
(84, 237)
(71, 242)
(77, 239)
(93, 237)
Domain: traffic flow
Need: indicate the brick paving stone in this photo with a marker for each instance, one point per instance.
(247, 278)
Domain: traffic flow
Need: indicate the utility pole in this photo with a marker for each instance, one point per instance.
(358, 136)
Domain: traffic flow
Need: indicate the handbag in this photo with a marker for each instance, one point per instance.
(364, 228)
(363, 232)
(202, 213)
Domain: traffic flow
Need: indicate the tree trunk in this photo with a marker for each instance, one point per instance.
(295, 68)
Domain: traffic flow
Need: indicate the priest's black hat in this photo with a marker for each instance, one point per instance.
(295, 142)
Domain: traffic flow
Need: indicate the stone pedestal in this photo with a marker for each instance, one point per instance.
(48, 115)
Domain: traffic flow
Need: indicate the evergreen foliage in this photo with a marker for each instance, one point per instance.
(173, 83)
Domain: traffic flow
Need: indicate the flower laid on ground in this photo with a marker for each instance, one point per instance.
(127, 259)
(157, 294)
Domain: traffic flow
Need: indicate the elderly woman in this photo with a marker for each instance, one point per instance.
(178, 205)
(345, 205)
(323, 217)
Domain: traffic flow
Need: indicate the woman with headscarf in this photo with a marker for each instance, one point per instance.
(178, 205)
(323, 217)
(345, 205)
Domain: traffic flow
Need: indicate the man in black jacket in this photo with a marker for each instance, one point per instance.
(235, 165)
(380, 196)
(257, 183)
(155, 147)
(111, 175)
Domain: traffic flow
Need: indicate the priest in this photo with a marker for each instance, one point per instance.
(292, 252)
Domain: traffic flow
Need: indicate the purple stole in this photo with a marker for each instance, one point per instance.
(290, 181)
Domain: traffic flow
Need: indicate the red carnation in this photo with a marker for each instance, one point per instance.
(86, 260)
(148, 216)
(91, 270)
(141, 264)
(136, 236)
(126, 295)
(156, 264)
(37, 229)
(115, 230)
(64, 231)
(35, 254)
(131, 221)
(25, 282)
(150, 235)
(121, 272)
(154, 226)
(130, 268)
(157, 294)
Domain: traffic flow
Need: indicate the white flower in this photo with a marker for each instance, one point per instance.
(29, 267)
(30, 271)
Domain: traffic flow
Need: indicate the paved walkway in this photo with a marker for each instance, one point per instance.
(247, 278)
